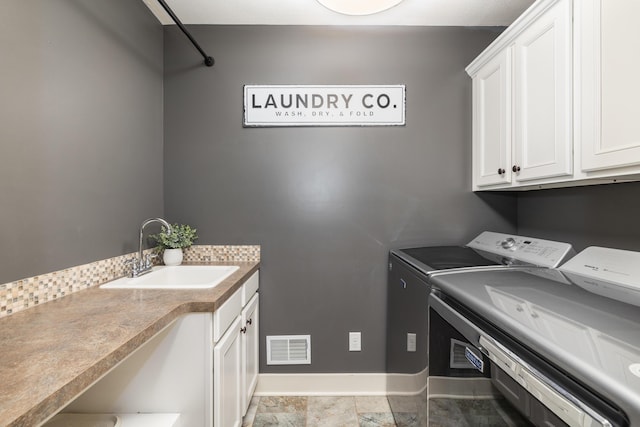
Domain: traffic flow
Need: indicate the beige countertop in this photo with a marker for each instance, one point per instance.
(52, 352)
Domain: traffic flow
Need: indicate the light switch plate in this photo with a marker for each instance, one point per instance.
(411, 342)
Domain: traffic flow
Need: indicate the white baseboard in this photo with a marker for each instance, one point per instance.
(321, 385)
(407, 384)
(375, 384)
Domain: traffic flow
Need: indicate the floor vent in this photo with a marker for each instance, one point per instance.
(289, 350)
(457, 358)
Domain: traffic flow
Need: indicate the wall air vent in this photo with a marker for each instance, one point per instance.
(457, 359)
(289, 350)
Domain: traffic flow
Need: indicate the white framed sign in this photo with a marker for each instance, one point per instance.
(324, 105)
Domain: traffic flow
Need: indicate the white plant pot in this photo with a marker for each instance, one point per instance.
(172, 256)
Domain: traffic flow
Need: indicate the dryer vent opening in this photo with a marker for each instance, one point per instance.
(289, 350)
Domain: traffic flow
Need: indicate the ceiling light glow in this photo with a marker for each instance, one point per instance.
(359, 7)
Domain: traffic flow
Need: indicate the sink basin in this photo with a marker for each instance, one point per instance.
(178, 277)
(84, 420)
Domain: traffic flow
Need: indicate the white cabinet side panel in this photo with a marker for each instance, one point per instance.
(166, 375)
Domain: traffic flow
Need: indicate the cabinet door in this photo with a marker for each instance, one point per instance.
(543, 142)
(250, 355)
(492, 122)
(608, 42)
(227, 378)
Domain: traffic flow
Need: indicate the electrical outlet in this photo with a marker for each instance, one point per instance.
(354, 341)
(411, 342)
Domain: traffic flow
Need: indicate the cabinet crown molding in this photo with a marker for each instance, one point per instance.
(507, 38)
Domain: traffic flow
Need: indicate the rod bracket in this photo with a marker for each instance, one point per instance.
(208, 60)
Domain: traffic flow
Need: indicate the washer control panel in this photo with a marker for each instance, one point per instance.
(510, 249)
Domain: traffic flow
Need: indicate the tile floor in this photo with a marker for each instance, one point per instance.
(374, 411)
(474, 413)
(319, 411)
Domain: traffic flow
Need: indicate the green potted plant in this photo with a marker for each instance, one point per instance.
(171, 244)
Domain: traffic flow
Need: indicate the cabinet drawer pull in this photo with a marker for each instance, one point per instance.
(501, 171)
(243, 330)
(515, 168)
(250, 321)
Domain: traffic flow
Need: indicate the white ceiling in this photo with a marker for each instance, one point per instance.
(310, 12)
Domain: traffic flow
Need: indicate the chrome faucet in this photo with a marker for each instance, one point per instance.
(142, 264)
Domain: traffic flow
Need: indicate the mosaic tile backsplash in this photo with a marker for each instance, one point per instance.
(22, 294)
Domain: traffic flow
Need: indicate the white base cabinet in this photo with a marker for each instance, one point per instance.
(203, 366)
(235, 355)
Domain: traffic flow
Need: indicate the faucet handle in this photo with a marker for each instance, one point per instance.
(133, 261)
(148, 260)
(135, 266)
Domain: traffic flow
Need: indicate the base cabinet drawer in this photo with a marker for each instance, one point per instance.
(225, 315)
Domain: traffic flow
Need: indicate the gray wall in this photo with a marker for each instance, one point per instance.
(601, 215)
(81, 162)
(326, 204)
(80, 131)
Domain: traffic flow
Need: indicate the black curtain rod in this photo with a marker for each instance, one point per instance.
(208, 61)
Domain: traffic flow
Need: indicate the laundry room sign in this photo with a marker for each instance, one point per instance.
(309, 105)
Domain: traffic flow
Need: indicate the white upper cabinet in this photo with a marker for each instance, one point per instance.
(608, 50)
(522, 108)
(543, 145)
(555, 98)
(492, 121)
